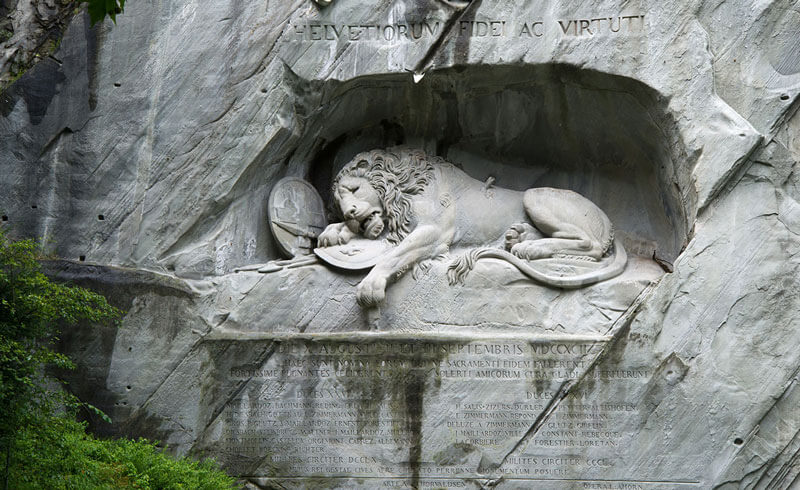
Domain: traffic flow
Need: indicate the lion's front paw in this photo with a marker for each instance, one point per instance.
(335, 234)
(371, 291)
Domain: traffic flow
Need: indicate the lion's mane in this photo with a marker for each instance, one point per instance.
(396, 174)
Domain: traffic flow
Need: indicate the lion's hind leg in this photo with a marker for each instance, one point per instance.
(528, 243)
(548, 247)
(520, 232)
(572, 224)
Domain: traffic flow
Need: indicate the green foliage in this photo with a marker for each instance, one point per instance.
(98, 9)
(60, 455)
(42, 443)
(32, 309)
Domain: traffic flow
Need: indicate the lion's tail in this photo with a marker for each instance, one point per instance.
(461, 266)
(458, 270)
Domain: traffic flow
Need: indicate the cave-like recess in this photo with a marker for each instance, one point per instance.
(611, 138)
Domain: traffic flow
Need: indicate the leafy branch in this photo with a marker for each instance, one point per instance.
(99, 9)
(32, 311)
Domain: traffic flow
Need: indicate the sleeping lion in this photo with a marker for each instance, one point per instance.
(424, 206)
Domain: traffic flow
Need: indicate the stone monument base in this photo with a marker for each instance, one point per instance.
(428, 410)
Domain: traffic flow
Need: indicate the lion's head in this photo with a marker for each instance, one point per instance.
(394, 175)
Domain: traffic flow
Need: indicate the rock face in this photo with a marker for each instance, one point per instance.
(30, 31)
(143, 155)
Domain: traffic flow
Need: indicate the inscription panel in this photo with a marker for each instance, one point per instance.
(422, 30)
(427, 413)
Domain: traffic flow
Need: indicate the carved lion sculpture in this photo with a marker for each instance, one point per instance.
(425, 205)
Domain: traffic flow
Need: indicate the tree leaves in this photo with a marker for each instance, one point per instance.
(41, 444)
(98, 9)
(60, 455)
(32, 311)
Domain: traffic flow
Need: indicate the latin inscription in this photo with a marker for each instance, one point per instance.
(428, 29)
(355, 410)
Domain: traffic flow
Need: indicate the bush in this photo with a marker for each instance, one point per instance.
(60, 455)
(32, 311)
(42, 444)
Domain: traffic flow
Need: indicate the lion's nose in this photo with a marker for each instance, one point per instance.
(351, 212)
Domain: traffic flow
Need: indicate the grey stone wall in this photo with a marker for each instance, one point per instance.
(143, 159)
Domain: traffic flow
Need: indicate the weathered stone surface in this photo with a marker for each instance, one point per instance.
(29, 33)
(145, 159)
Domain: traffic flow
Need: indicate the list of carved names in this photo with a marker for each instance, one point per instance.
(335, 408)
